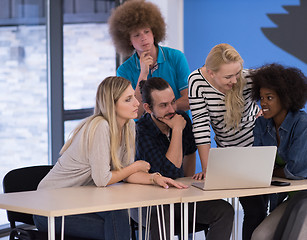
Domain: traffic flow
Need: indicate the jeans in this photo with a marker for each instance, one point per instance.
(111, 225)
(255, 210)
(217, 214)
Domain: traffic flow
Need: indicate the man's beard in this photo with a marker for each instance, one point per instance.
(169, 114)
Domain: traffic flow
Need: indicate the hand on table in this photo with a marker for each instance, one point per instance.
(199, 176)
(167, 182)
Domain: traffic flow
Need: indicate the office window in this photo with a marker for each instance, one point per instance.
(89, 55)
(23, 86)
(69, 127)
(88, 58)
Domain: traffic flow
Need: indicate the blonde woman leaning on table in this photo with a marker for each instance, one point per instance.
(101, 152)
(220, 96)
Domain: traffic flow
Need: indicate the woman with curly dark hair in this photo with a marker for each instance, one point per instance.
(282, 92)
(138, 26)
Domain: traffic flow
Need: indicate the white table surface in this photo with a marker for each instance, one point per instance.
(195, 194)
(78, 200)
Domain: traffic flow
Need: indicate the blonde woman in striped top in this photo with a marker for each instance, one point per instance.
(220, 97)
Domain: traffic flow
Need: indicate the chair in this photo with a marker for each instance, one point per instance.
(26, 179)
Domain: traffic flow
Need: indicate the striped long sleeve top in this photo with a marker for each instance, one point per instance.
(207, 106)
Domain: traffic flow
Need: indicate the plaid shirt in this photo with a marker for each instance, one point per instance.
(152, 145)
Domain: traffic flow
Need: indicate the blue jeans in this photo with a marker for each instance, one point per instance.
(111, 225)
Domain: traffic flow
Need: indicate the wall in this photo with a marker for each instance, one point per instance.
(262, 31)
(172, 11)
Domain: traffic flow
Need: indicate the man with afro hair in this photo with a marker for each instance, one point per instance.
(137, 27)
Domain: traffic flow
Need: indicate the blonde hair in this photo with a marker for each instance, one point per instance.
(108, 93)
(234, 101)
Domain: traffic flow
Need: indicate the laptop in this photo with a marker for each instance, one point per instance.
(238, 167)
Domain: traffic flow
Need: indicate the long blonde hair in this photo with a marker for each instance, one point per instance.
(234, 101)
(108, 93)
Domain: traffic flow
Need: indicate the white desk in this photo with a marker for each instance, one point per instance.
(77, 200)
(194, 194)
(69, 201)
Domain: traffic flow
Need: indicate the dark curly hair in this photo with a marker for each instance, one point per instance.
(289, 83)
(130, 16)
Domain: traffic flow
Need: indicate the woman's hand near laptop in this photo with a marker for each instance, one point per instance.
(140, 175)
(200, 175)
(165, 182)
(203, 151)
